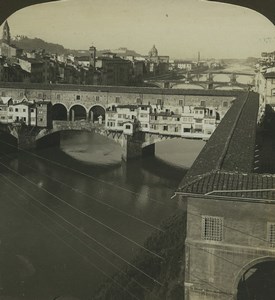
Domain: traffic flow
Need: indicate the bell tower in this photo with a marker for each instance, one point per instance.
(92, 51)
(6, 33)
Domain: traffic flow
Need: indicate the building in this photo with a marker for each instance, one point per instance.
(183, 65)
(6, 48)
(113, 70)
(155, 64)
(43, 113)
(230, 239)
(32, 113)
(265, 86)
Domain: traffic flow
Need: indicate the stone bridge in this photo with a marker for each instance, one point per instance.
(133, 146)
(209, 80)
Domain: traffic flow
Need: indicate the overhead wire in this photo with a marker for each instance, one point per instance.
(74, 250)
(73, 235)
(83, 232)
(85, 214)
(89, 196)
(82, 173)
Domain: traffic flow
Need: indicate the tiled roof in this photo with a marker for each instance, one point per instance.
(232, 184)
(230, 148)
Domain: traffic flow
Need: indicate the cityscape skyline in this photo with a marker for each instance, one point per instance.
(173, 26)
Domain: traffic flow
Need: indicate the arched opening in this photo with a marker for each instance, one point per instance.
(221, 78)
(188, 86)
(257, 282)
(95, 112)
(59, 112)
(228, 88)
(77, 112)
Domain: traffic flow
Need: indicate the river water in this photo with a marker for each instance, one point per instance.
(71, 216)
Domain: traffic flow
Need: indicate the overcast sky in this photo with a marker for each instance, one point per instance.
(178, 28)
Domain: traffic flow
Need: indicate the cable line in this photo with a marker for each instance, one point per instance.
(74, 250)
(82, 232)
(82, 173)
(77, 238)
(89, 196)
(85, 214)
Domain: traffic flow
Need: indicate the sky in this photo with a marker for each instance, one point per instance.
(178, 28)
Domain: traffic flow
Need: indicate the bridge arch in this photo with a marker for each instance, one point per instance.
(221, 77)
(59, 112)
(188, 86)
(245, 79)
(264, 265)
(95, 111)
(228, 87)
(77, 112)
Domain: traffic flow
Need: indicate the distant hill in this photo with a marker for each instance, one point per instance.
(29, 44)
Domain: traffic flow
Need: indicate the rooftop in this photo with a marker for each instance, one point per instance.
(229, 151)
(121, 89)
(233, 184)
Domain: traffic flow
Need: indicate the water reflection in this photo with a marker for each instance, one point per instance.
(41, 256)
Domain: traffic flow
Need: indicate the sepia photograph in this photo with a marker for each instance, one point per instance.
(137, 150)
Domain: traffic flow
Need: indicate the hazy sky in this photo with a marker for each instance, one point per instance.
(178, 28)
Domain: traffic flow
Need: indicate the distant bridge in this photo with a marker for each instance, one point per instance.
(207, 80)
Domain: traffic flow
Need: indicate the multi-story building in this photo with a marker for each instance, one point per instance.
(113, 70)
(33, 113)
(182, 121)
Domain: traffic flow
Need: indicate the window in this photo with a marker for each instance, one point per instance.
(97, 98)
(165, 128)
(180, 102)
(128, 127)
(32, 110)
(58, 96)
(39, 95)
(117, 99)
(77, 97)
(212, 228)
(10, 109)
(203, 103)
(24, 109)
(225, 104)
(21, 94)
(16, 109)
(271, 234)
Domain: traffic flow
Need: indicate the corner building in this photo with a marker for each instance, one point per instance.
(229, 250)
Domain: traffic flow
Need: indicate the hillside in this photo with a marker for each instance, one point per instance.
(38, 44)
(29, 44)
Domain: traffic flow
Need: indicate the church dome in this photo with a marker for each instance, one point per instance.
(153, 52)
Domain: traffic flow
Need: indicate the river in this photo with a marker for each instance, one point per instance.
(74, 215)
